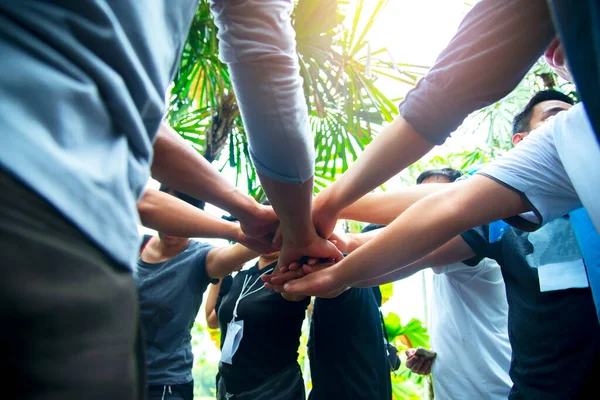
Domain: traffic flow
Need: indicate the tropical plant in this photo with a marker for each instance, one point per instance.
(339, 71)
(405, 384)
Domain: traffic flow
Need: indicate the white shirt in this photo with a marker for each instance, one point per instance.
(468, 329)
(555, 168)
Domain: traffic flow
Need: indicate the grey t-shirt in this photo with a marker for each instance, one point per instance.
(170, 294)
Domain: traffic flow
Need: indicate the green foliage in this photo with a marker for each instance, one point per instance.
(339, 71)
(405, 384)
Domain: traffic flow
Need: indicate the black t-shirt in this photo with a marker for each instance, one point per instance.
(346, 348)
(272, 329)
(555, 336)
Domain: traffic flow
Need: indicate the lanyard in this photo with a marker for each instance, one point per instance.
(247, 290)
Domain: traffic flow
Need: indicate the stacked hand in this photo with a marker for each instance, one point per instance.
(260, 224)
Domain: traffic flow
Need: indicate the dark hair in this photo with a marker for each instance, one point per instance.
(182, 196)
(449, 173)
(522, 121)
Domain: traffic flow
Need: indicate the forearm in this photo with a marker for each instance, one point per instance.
(168, 214)
(454, 251)
(394, 149)
(292, 204)
(209, 306)
(429, 224)
(180, 167)
(232, 257)
(383, 208)
(399, 274)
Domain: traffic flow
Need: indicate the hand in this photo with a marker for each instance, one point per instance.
(315, 248)
(256, 245)
(324, 215)
(343, 241)
(418, 365)
(320, 281)
(259, 223)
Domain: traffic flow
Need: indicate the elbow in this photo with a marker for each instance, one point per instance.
(147, 207)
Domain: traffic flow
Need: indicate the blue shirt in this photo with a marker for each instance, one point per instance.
(170, 295)
(82, 92)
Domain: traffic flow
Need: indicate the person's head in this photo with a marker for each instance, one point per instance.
(176, 240)
(542, 106)
(444, 175)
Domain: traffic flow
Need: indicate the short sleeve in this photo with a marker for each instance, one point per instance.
(534, 170)
(478, 241)
(199, 273)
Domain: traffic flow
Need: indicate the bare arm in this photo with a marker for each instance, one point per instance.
(170, 215)
(383, 208)
(394, 149)
(209, 307)
(456, 250)
(421, 229)
(222, 261)
(179, 166)
(483, 62)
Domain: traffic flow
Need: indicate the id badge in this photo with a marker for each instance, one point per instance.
(235, 332)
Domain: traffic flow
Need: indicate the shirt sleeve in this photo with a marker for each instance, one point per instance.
(494, 47)
(199, 274)
(257, 41)
(534, 170)
(478, 241)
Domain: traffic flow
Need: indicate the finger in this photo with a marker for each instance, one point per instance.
(295, 266)
(266, 278)
(288, 276)
(307, 269)
(315, 284)
(410, 352)
(268, 286)
(312, 261)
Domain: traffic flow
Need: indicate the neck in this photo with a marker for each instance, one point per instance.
(264, 262)
(172, 250)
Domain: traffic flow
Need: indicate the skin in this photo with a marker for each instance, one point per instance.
(176, 218)
(177, 165)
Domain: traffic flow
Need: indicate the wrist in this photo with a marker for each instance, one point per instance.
(243, 207)
(234, 233)
(303, 237)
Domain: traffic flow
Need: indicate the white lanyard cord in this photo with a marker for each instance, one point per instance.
(247, 291)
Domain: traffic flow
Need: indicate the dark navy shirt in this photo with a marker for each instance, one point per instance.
(346, 347)
(272, 329)
(555, 335)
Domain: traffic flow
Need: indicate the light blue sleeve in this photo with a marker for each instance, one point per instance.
(534, 169)
(257, 41)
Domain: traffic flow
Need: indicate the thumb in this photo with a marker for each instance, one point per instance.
(297, 286)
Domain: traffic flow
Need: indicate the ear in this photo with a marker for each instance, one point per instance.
(517, 137)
